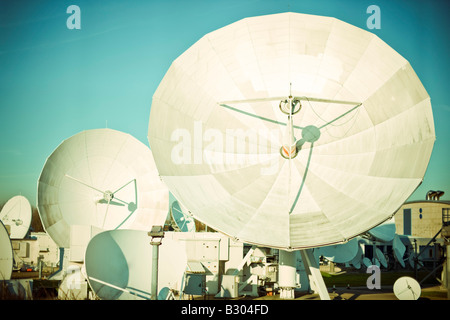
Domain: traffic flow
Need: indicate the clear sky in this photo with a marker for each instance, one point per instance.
(56, 82)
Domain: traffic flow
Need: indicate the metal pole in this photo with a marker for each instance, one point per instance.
(157, 234)
(155, 252)
(447, 269)
(415, 260)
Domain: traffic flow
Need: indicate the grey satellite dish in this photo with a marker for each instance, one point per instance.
(291, 130)
(16, 213)
(411, 259)
(399, 250)
(6, 254)
(341, 253)
(118, 264)
(385, 231)
(381, 258)
(366, 261)
(184, 222)
(102, 178)
(356, 264)
(407, 288)
(356, 261)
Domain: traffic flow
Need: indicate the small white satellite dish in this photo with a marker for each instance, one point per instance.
(407, 288)
(119, 264)
(184, 222)
(102, 178)
(399, 250)
(381, 258)
(16, 213)
(6, 254)
(341, 253)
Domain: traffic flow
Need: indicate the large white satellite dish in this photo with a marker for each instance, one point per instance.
(16, 213)
(407, 288)
(184, 222)
(103, 178)
(291, 131)
(6, 254)
(119, 264)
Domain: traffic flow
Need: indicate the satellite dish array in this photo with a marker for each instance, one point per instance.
(96, 181)
(351, 253)
(350, 111)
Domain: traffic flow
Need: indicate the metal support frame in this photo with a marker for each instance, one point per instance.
(244, 261)
(446, 264)
(157, 235)
(314, 275)
(417, 255)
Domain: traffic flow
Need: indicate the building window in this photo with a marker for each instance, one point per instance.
(407, 222)
(446, 216)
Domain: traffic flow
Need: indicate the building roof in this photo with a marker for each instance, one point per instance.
(429, 201)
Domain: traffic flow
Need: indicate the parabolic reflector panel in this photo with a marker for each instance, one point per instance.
(16, 213)
(6, 254)
(300, 177)
(103, 178)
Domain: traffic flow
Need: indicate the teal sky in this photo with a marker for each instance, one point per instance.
(56, 82)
